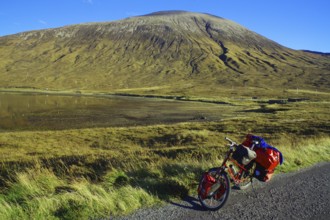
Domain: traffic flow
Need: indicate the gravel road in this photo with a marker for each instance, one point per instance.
(304, 194)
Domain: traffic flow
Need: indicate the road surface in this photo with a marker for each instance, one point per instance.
(304, 194)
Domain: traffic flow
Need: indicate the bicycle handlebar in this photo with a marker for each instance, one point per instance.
(231, 141)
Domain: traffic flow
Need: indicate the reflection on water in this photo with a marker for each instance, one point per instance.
(41, 112)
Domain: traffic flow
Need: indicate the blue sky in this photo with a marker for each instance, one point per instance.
(297, 24)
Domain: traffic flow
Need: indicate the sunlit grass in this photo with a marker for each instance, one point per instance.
(38, 194)
(104, 172)
(96, 173)
(146, 177)
(303, 153)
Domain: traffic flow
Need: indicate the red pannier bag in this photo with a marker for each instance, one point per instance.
(267, 160)
(206, 185)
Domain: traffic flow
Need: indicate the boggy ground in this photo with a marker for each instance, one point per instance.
(102, 172)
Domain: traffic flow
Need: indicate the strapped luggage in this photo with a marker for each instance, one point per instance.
(267, 159)
(263, 174)
(243, 155)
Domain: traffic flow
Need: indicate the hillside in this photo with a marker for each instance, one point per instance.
(164, 52)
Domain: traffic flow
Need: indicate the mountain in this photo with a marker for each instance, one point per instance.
(316, 52)
(171, 51)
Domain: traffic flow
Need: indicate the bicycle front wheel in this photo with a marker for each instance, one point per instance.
(217, 199)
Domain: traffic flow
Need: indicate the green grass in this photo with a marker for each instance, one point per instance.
(303, 153)
(165, 55)
(104, 172)
(40, 194)
(143, 179)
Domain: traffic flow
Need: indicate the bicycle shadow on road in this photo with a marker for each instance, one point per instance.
(189, 203)
(193, 203)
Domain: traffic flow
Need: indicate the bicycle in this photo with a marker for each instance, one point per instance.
(214, 186)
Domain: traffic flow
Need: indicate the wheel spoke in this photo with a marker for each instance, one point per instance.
(220, 196)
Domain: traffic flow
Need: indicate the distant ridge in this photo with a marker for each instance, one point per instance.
(316, 52)
(168, 52)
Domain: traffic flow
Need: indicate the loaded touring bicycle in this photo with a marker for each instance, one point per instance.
(254, 158)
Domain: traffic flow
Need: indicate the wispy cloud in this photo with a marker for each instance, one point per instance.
(42, 22)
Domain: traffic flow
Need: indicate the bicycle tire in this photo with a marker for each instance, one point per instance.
(213, 203)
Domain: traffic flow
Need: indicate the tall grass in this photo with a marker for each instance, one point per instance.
(105, 172)
(39, 194)
(42, 193)
(302, 152)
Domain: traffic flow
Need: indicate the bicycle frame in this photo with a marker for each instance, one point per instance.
(235, 177)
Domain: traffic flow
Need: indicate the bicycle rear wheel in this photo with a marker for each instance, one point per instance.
(244, 184)
(217, 199)
(246, 177)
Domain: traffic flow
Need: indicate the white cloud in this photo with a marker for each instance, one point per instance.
(42, 22)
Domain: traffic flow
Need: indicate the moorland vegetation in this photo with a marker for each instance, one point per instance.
(89, 173)
(102, 172)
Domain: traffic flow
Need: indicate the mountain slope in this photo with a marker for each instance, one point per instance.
(173, 50)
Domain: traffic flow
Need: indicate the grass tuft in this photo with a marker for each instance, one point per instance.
(105, 172)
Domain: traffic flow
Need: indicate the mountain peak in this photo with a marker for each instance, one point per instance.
(179, 13)
(166, 48)
(170, 12)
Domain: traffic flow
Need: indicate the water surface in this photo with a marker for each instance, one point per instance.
(51, 112)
